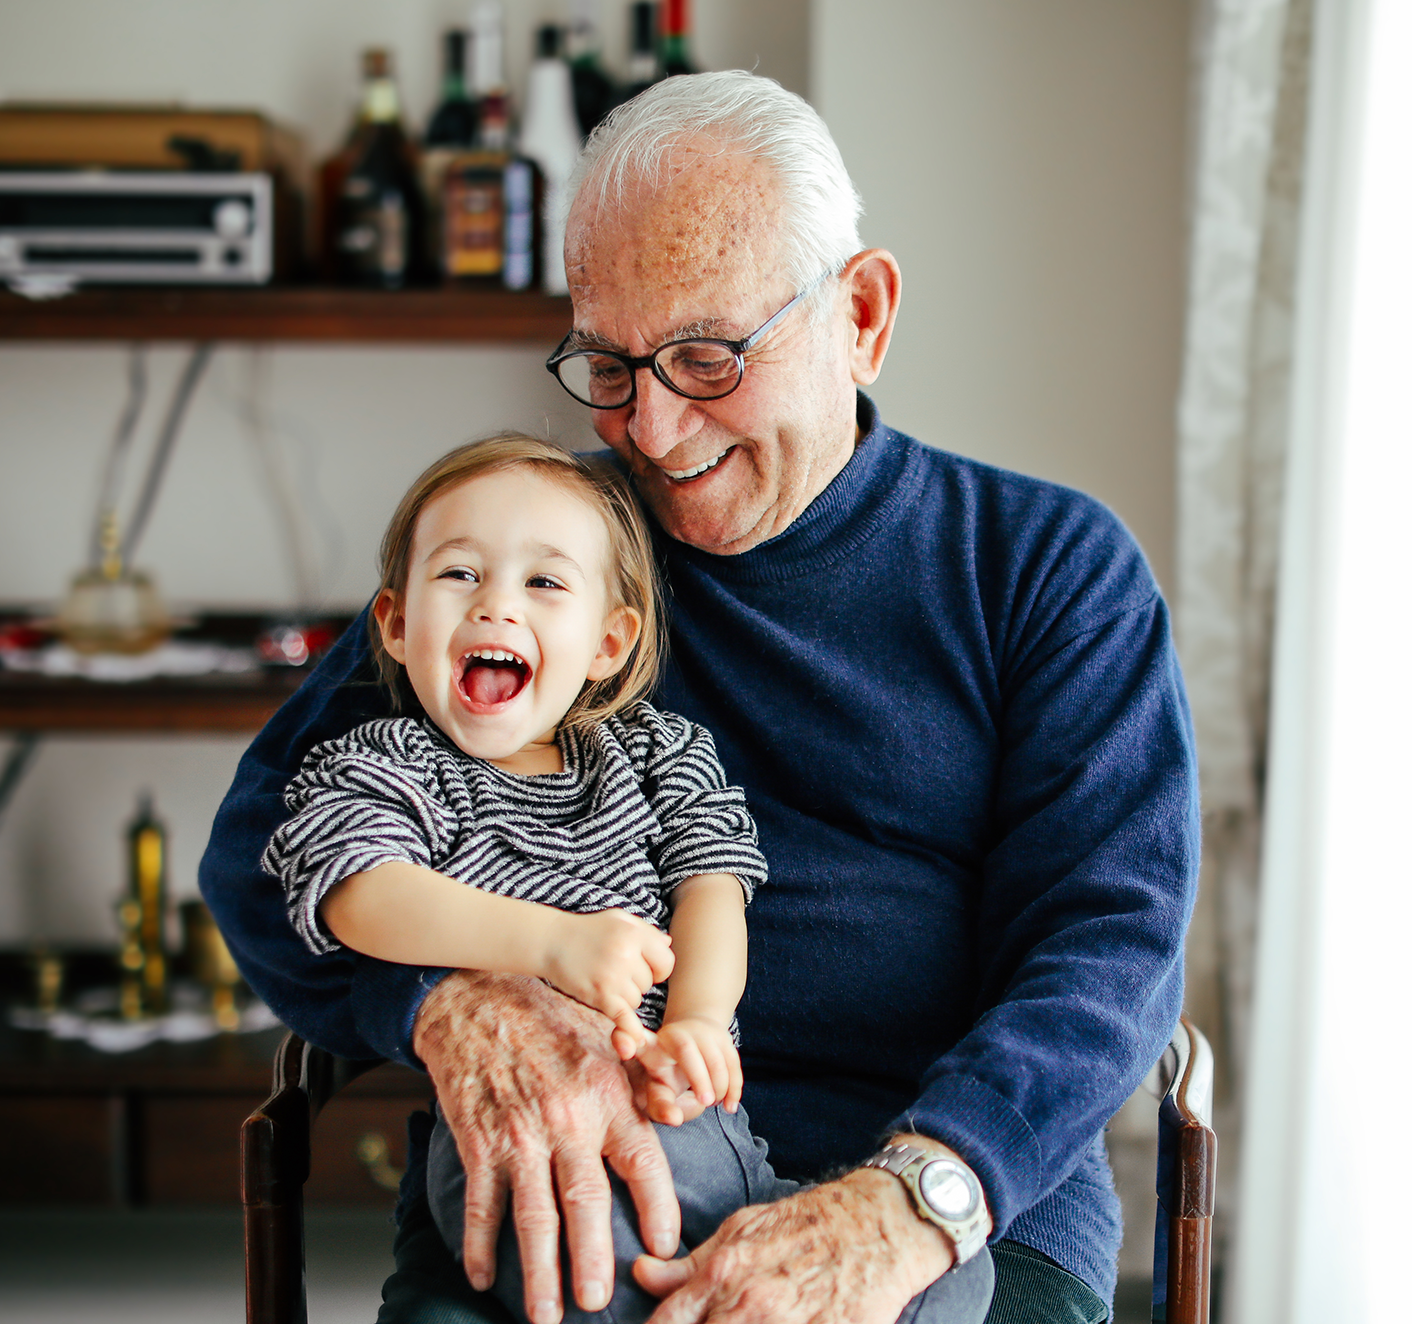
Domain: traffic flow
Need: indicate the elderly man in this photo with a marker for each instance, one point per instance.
(950, 694)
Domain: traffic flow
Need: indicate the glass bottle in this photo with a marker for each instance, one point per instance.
(676, 38)
(488, 76)
(451, 130)
(381, 230)
(549, 136)
(453, 123)
(643, 69)
(594, 93)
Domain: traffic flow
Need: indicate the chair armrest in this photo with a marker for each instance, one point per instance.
(274, 1165)
(1186, 1180)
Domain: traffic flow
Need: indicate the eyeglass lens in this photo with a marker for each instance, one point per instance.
(699, 369)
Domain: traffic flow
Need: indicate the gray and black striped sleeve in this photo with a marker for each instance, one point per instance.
(357, 802)
(706, 824)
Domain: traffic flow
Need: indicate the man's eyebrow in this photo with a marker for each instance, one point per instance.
(705, 328)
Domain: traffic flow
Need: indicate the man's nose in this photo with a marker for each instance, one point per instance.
(661, 419)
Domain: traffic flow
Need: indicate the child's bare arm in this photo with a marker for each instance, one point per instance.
(403, 912)
(708, 937)
(709, 942)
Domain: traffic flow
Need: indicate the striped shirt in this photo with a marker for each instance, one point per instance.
(641, 805)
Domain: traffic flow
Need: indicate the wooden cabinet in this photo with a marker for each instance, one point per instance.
(161, 1126)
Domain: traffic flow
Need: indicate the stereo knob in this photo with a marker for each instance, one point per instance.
(232, 219)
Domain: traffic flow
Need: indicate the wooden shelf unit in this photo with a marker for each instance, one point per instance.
(308, 314)
(206, 705)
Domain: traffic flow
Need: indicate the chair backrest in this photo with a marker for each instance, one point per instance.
(274, 1165)
(1186, 1180)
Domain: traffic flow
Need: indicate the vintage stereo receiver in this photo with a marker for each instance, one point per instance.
(137, 227)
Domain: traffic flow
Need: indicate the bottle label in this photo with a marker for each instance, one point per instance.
(473, 219)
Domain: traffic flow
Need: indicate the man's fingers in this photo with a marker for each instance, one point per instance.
(537, 1230)
(585, 1202)
(662, 1277)
(636, 1154)
(486, 1190)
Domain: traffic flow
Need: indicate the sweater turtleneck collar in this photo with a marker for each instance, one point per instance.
(867, 492)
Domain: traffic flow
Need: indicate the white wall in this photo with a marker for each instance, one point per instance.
(1024, 160)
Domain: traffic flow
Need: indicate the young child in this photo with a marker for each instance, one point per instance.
(518, 602)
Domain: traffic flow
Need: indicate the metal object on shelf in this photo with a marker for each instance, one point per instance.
(210, 962)
(142, 913)
(165, 227)
(48, 968)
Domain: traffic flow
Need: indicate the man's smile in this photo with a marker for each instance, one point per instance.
(685, 475)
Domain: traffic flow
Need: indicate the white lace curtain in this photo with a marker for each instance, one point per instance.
(1250, 100)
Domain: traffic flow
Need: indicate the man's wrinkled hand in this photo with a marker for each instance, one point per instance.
(534, 1093)
(847, 1250)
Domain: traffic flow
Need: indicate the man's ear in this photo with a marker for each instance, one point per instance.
(873, 282)
(619, 635)
(392, 624)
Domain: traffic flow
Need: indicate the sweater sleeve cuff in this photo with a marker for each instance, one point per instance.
(989, 1133)
(386, 999)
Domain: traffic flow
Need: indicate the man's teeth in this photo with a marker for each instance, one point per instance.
(681, 474)
(495, 655)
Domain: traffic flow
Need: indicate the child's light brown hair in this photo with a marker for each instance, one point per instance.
(631, 570)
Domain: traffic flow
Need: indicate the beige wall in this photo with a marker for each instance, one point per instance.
(1024, 160)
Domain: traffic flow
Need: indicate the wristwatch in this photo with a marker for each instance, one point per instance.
(944, 1191)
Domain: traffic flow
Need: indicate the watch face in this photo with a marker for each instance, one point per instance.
(949, 1189)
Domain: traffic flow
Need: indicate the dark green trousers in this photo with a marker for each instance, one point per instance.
(428, 1287)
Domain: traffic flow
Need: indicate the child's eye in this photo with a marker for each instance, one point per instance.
(461, 572)
(544, 581)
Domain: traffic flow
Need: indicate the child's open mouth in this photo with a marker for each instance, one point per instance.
(492, 676)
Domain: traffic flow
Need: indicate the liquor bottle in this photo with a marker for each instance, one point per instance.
(643, 69)
(488, 76)
(594, 93)
(453, 124)
(380, 232)
(549, 136)
(451, 130)
(676, 38)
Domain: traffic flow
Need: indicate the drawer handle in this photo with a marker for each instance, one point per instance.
(373, 1153)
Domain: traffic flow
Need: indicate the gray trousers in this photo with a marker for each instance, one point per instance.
(718, 1166)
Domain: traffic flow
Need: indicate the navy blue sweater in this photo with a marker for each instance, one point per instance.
(950, 694)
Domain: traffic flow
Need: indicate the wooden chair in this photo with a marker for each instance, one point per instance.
(274, 1157)
(1186, 1180)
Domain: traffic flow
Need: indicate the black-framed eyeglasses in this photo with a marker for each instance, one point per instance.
(699, 369)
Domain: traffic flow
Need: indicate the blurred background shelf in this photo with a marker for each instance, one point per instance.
(290, 314)
(209, 705)
(217, 704)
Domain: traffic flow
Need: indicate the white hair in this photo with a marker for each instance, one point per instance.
(741, 113)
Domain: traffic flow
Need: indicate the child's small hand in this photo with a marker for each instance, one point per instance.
(608, 960)
(699, 1053)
